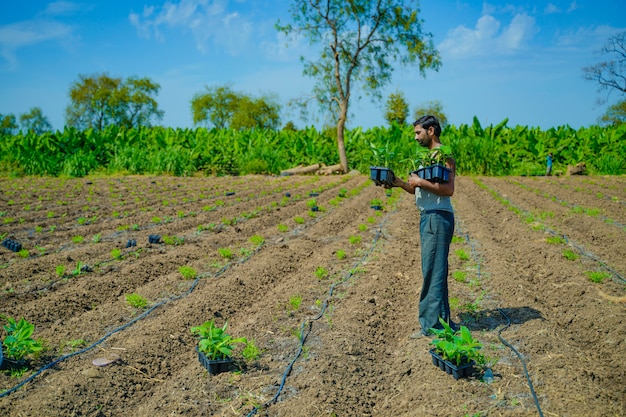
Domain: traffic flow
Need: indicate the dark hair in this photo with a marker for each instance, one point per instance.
(429, 121)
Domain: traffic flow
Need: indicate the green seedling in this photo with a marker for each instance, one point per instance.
(355, 240)
(299, 220)
(96, 238)
(321, 272)
(570, 255)
(50, 214)
(38, 229)
(23, 253)
(136, 300)
(555, 240)
(371, 220)
(462, 254)
(214, 342)
(456, 347)
(225, 253)
(295, 302)
(251, 352)
(311, 203)
(340, 254)
(283, 228)
(457, 239)
(81, 220)
(77, 239)
(460, 276)
(156, 219)
(187, 272)
(597, 276)
(362, 227)
(256, 240)
(18, 342)
(116, 254)
(60, 270)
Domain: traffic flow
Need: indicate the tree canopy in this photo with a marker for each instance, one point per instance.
(361, 41)
(223, 107)
(8, 124)
(35, 121)
(433, 108)
(100, 100)
(396, 108)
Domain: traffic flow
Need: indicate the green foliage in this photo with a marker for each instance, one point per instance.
(18, 343)
(321, 272)
(295, 302)
(251, 351)
(35, 121)
(457, 347)
(99, 101)
(256, 240)
(433, 108)
(116, 253)
(226, 253)
(570, 255)
(396, 108)
(187, 272)
(214, 342)
(462, 254)
(224, 108)
(136, 300)
(597, 276)
(340, 254)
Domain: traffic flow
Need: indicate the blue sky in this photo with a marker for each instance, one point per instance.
(521, 60)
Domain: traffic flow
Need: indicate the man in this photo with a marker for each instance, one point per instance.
(549, 165)
(436, 230)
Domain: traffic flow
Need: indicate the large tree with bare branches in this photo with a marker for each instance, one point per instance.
(361, 42)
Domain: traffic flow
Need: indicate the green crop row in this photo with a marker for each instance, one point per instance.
(493, 150)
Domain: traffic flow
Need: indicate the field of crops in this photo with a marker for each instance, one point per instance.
(329, 297)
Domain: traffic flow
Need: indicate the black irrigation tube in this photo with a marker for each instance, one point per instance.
(510, 346)
(309, 322)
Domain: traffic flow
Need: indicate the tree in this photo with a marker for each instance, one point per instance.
(610, 75)
(225, 108)
(99, 100)
(361, 42)
(433, 108)
(35, 121)
(8, 124)
(397, 109)
(615, 114)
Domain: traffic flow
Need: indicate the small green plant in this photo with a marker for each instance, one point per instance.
(256, 240)
(96, 238)
(597, 276)
(376, 202)
(570, 255)
(251, 352)
(136, 300)
(462, 254)
(77, 239)
(311, 203)
(355, 240)
(283, 228)
(116, 254)
(457, 347)
(555, 240)
(60, 270)
(459, 276)
(295, 302)
(18, 342)
(457, 239)
(214, 342)
(340, 254)
(23, 253)
(321, 272)
(38, 229)
(225, 253)
(362, 227)
(187, 272)
(299, 220)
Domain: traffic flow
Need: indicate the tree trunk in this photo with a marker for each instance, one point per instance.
(341, 126)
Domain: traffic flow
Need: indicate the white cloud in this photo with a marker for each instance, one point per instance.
(18, 35)
(59, 8)
(208, 21)
(551, 9)
(487, 38)
(586, 37)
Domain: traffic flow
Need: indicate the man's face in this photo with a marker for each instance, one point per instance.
(422, 135)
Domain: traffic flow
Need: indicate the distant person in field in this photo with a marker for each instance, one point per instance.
(549, 164)
(436, 230)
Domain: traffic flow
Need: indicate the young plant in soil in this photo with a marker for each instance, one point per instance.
(256, 240)
(18, 343)
(340, 254)
(597, 276)
(462, 254)
(78, 239)
(355, 240)
(283, 228)
(299, 220)
(321, 272)
(215, 342)
(116, 254)
(136, 300)
(295, 302)
(457, 347)
(225, 253)
(187, 272)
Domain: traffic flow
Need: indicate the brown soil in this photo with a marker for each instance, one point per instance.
(357, 359)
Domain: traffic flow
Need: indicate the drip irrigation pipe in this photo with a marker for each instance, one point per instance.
(309, 322)
(521, 358)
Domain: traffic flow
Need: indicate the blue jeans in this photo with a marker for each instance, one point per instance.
(436, 230)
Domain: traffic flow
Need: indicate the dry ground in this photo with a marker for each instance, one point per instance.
(357, 359)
